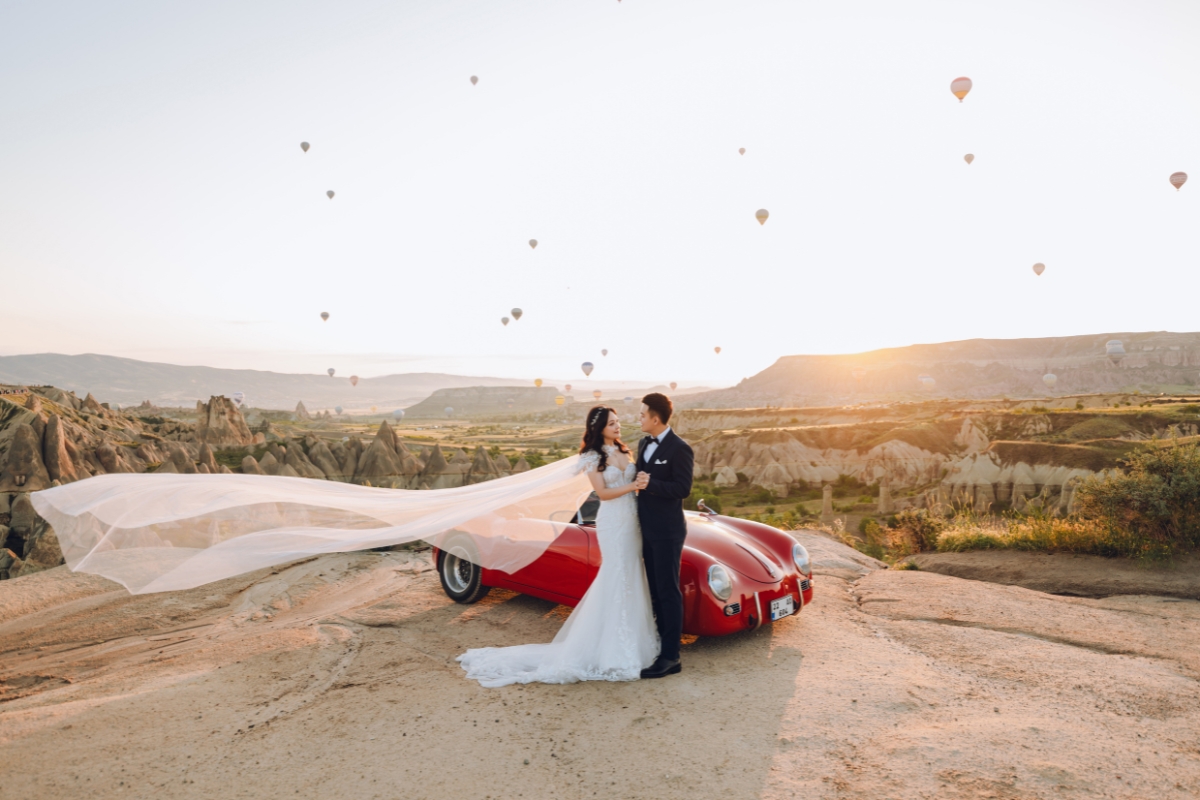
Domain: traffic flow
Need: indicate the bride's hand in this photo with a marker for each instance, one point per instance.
(643, 480)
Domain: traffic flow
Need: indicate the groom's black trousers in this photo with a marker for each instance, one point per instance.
(662, 556)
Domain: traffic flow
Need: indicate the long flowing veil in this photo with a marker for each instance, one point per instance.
(155, 533)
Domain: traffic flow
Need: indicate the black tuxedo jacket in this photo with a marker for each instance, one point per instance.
(660, 506)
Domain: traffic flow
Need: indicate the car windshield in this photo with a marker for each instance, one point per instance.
(587, 512)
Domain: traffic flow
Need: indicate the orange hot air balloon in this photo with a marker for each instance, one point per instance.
(960, 87)
(596, 394)
(558, 401)
(474, 79)
(304, 146)
(969, 157)
(1178, 179)
(761, 215)
(717, 350)
(741, 151)
(567, 387)
(354, 381)
(1039, 268)
(538, 383)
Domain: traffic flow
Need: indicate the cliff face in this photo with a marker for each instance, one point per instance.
(996, 455)
(977, 368)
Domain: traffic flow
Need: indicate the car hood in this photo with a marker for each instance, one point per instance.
(731, 548)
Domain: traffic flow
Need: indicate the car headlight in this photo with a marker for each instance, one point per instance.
(720, 582)
(800, 556)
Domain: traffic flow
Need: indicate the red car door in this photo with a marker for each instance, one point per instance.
(565, 569)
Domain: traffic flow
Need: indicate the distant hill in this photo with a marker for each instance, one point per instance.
(976, 368)
(127, 381)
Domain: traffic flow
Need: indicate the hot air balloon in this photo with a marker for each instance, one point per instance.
(1039, 268)
(449, 411)
(741, 151)
(330, 371)
(603, 352)
(960, 87)
(474, 79)
(338, 409)
(587, 367)
(325, 316)
(533, 244)
(1178, 179)
(567, 387)
(354, 380)
(239, 398)
(1050, 379)
(761, 215)
(538, 383)
(398, 414)
(304, 146)
(517, 313)
(717, 350)
(504, 320)
(1114, 350)
(969, 157)
(628, 400)
(673, 385)
(596, 394)
(372, 409)
(329, 194)
(558, 401)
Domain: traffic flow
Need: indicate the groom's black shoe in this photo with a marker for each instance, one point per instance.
(662, 667)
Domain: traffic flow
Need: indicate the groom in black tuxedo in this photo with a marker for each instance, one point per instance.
(664, 466)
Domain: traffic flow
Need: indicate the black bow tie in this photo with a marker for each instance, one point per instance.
(652, 441)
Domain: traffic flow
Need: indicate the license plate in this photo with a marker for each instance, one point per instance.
(783, 607)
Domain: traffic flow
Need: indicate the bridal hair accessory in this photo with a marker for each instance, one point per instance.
(596, 415)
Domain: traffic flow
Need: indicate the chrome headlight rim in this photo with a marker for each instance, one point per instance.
(720, 582)
(802, 560)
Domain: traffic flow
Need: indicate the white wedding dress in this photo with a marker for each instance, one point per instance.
(610, 636)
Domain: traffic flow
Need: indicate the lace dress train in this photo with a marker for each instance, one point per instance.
(610, 636)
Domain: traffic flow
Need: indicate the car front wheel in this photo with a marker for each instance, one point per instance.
(462, 579)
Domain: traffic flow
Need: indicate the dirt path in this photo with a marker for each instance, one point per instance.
(336, 677)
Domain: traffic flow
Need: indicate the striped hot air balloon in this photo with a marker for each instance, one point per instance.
(1178, 179)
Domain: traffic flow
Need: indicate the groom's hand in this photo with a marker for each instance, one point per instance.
(643, 480)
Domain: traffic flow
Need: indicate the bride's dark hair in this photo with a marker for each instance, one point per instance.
(593, 435)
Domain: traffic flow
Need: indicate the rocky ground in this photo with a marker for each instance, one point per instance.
(335, 677)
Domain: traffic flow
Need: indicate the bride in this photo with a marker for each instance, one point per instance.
(610, 636)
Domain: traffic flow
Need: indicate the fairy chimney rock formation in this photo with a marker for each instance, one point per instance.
(23, 469)
(438, 473)
(380, 464)
(502, 466)
(827, 504)
(54, 452)
(521, 466)
(321, 456)
(482, 467)
(301, 411)
(250, 466)
(219, 423)
(885, 497)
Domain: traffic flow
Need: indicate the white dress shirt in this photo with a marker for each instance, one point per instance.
(650, 448)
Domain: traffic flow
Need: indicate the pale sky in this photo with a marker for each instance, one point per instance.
(156, 203)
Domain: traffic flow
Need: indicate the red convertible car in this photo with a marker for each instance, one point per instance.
(735, 574)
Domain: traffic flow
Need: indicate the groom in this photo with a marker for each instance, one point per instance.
(665, 479)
